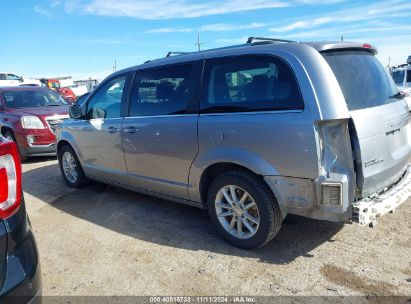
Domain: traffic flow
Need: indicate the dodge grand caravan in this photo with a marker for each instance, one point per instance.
(252, 133)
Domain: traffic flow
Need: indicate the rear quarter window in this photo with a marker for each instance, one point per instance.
(363, 80)
(249, 83)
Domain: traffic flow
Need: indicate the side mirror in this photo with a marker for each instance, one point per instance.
(75, 111)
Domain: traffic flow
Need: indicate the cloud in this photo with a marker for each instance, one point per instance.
(353, 31)
(103, 41)
(216, 27)
(380, 10)
(42, 11)
(168, 9)
(171, 30)
(222, 27)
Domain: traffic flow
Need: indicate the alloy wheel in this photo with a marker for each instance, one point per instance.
(237, 212)
(69, 167)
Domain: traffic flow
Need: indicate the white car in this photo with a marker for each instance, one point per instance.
(12, 80)
(8, 79)
(402, 78)
(78, 90)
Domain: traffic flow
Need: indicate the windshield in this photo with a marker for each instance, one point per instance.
(54, 85)
(398, 77)
(363, 80)
(32, 98)
(82, 99)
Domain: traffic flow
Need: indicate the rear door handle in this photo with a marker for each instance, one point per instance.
(112, 130)
(130, 130)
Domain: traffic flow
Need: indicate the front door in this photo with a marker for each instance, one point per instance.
(99, 137)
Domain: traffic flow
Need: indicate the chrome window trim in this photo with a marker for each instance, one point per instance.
(163, 116)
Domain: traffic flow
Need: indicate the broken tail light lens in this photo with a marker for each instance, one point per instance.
(10, 179)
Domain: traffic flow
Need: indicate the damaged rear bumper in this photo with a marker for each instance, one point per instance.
(366, 211)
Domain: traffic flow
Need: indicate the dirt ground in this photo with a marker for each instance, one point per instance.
(100, 240)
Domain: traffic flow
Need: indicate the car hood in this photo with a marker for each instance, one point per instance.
(42, 111)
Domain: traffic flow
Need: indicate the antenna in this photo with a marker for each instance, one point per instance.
(198, 42)
(342, 38)
(115, 65)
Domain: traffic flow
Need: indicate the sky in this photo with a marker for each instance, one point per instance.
(84, 38)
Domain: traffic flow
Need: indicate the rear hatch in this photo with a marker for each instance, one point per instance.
(379, 118)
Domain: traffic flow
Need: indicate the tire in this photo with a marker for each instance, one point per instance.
(9, 135)
(264, 210)
(73, 175)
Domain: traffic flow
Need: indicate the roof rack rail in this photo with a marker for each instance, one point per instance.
(169, 54)
(263, 40)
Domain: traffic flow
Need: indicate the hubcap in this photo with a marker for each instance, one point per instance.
(69, 167)
(237, 212)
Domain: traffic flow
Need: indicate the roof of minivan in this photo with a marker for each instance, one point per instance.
(320, 46)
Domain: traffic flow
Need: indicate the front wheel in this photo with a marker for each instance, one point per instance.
(70, 167)
(243, 210)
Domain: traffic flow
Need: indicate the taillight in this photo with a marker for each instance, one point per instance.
(10, 179)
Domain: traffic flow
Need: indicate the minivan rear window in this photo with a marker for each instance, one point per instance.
(362, 78)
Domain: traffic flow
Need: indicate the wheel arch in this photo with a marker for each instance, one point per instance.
(65, 138)
(4, 129)
(214, 170)
(222, 159)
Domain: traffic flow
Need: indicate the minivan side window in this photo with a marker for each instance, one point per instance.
(2, 76)
(249, 83)
(106, 102)
(161, 91)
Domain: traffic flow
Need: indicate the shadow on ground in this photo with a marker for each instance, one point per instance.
(167, 223)
(38, 159)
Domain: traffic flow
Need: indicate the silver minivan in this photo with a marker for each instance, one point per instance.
(252, 133)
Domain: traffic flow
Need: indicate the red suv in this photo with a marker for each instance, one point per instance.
(29, 116)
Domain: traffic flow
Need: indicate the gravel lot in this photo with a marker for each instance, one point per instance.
(101, 240)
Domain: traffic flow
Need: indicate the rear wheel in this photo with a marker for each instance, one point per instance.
(71, 168)
(243, 210)
(10, 136)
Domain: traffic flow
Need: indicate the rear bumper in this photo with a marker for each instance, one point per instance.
(368, 210)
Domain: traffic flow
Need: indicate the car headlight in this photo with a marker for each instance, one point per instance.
(31, 122)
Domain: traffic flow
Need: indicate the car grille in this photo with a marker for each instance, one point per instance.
(55, 123)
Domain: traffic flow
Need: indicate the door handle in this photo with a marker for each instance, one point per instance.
(130, 129)
(112, 130)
